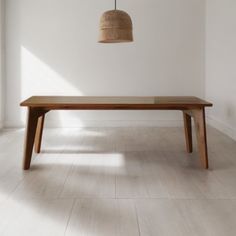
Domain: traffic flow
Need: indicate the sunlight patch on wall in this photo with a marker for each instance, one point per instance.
(38, 78)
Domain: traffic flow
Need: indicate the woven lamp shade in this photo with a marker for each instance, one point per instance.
(115, 27)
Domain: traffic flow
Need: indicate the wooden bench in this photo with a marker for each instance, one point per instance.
(38, 106)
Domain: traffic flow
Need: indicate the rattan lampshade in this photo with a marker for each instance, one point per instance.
(115, 27)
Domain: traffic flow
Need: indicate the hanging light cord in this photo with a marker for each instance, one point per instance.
(115, 4)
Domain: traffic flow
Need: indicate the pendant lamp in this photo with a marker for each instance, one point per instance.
(115, 27)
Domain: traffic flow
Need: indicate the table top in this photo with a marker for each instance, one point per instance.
(120, 103)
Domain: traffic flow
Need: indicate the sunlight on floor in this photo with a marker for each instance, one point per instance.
(96, 160)
(109, 160)
(119, 185)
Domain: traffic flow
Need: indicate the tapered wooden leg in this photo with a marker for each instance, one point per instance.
(39, 134)
(188, 132)
(200, 125)
(29, 137)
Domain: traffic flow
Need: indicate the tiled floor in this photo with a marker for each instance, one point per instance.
(117, 181)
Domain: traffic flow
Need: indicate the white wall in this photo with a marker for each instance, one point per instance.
(52, 49)
(221, 64)
(1, 62)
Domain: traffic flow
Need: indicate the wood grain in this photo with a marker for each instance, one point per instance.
(200, 126)
(115, 103)
(29, 138)
(188, 132)
(39, 134)
(33, 115)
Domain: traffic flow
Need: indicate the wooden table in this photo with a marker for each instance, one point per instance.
(38, 106)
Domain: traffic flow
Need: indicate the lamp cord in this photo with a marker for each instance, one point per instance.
(115, 4)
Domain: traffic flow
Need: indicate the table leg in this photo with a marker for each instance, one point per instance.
(32, 121)
(39, 134)
(30, 136)
(188, 132)
(200, 126)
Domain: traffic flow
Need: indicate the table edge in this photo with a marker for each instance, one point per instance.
(26, 103)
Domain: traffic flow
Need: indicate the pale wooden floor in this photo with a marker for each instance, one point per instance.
(117, 181)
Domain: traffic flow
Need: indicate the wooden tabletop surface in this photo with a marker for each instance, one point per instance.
(129, 102)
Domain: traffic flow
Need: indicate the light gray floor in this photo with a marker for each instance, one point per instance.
(117, 181)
